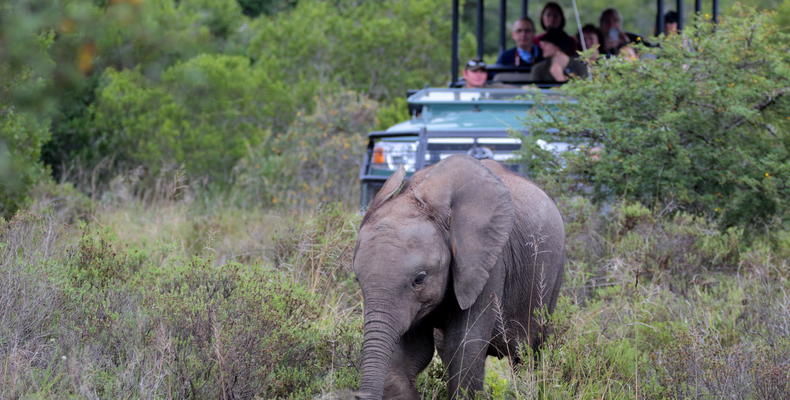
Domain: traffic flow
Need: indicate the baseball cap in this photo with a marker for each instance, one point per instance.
(475, 64)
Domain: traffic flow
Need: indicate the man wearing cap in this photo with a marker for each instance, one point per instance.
(560, 63)
(526, 53)
(475, 74)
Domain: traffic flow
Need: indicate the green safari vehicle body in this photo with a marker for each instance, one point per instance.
(484, 123)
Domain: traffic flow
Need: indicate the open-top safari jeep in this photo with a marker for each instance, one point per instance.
(484, 123)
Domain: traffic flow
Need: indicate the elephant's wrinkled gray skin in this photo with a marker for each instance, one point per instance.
(446, 259)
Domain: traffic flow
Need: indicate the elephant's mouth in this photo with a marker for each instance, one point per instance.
(426, 308)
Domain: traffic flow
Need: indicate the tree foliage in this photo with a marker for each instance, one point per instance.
(23, 128)
(254, 8)
(374, 48)
(700, 122)
(203, 114)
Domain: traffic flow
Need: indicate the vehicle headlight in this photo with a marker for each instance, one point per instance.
(390, 155)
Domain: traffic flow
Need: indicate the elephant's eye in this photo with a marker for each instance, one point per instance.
(420, 278)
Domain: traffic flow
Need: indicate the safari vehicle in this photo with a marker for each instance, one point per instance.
(448, 121)
(478, 122)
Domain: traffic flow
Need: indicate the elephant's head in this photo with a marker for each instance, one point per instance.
(446, 226)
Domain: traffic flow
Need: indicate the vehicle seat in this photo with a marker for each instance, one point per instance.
(519, 77)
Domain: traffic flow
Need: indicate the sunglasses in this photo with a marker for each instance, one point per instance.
(475, 64)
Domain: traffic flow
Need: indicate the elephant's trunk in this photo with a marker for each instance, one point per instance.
(381, 335)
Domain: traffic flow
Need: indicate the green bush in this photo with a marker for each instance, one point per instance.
(21, 138)
(203, 115)
(149, 36)
(24, 119)
(243, 332)
(315, 161)
(221, 17)
(98, 316)
(97, 262)
(254, 8)
(319, 250)
(390, 114)
(380, 49)
(698, 123)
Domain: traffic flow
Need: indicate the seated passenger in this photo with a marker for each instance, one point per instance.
(670, 23)
(614, 38)
(558, 49)
(592, 40)
(551, 17)
(526, 53)
(475, 74)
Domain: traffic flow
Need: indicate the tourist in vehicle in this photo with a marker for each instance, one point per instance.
(551, 17)
(475, 74)
(526, 53)
(614, 37)
(591, 36)
(559, 64)
(670, 23)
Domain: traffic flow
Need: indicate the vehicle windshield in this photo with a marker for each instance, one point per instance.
(444, 95)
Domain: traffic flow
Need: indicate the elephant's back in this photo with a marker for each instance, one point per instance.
(533, 208)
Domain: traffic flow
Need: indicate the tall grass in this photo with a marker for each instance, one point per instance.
(176, 297)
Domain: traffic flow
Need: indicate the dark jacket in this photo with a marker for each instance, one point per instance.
(511, 57)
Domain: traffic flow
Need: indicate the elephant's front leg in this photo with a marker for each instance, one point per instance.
(412, 354)
(465, 340)
(463, 350)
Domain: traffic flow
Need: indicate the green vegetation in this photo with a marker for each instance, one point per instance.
(174, 299)
(178, 184)
(699, 124)
(115, 313)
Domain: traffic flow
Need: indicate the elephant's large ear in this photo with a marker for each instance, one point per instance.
(480, 214)
(392, 186)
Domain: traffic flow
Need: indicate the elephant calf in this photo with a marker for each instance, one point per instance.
(456, 258)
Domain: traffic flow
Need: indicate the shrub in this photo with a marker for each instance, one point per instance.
(203, 115)
(319, 250)
(390, 114)
(316, 160)
(94, 316)
(254, 8)
(21, 138)
(24, 118)
(376, 49)
(147, 36)
(242, 332)
(97, 262)
(32, 302)
(698, 122)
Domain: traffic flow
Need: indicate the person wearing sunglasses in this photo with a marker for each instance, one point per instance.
(475, 74)
(526, 53)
